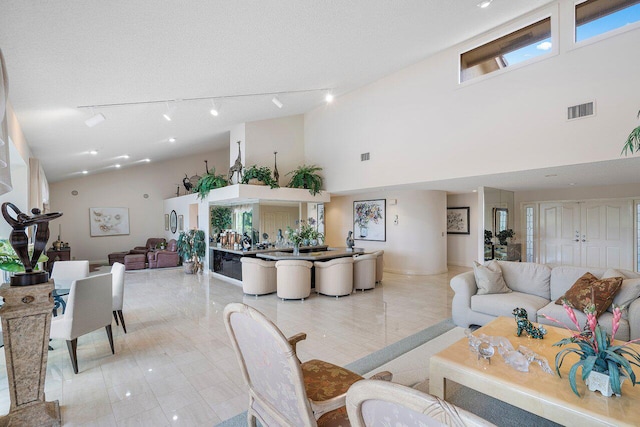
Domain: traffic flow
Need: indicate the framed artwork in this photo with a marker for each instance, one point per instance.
(320, 208)
(458, 220)
(369, 220)
(173, 222)
(180, 222)
(109, 221)
(166, 222)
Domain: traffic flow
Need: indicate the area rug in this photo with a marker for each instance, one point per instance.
(408, 360)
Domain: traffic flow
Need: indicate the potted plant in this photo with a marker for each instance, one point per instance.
(208, 182)
(221, 219)
(306, 177)
(295, 236)
(259, 176)
(191, 248)
(488, 236)
(504, 235)
(598, 355)
(633, 141)
(9, 260)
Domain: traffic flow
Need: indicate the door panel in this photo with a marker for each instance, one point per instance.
(559, 223)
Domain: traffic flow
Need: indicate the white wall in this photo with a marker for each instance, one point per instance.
(462, 249)
(421, 121)
(124, 188)
(417, 245)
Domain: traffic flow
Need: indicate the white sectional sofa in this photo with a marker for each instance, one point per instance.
(536, 287)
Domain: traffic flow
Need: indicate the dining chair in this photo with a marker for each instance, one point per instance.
(65, 272)
(373, 403)
(364, 271)
(294, 279)
(117, 273)
(259, 276)
(89, 308)
(283, 391)
(335, 277)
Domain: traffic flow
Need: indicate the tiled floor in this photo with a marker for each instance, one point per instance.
(175, 365)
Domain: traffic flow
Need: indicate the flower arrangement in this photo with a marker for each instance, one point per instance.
(9, 260)
(366, 212)
(504, 235)
(596, 350)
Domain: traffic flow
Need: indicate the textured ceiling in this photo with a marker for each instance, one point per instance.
(62, 55)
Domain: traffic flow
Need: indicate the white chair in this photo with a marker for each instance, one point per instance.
(373, 403)
(364, 271)
(65, 272)
(294, 279)
(379, 265)
(89, 308)
(117, 273)
(334, 277)
(259, 277)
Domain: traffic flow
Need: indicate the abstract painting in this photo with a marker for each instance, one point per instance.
(369, 220)
(109, 221)
(458, 220)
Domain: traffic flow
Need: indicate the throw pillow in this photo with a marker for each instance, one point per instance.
(603, 291)
(489, 279)
(629, 291)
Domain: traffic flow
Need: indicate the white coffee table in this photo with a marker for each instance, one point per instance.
(545, 395)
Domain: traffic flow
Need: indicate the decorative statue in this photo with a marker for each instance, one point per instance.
(276, 174)
(350, 241)
(187, 183)
(523, 323)
(237, 166)
(20, 242)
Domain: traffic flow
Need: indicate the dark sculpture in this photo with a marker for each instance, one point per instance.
(524, 324)
(187, 183)
(237, 166)
(350, 241)
(20, 242)
(276, 174)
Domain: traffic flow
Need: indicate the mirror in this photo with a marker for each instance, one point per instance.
(173, 222)
(500, 220)
(498, 209)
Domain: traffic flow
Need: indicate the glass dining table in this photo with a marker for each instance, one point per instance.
(58, 301)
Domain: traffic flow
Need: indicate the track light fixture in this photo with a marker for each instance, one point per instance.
(95, 119)
(214, 109)
(277, 102)
(167, 115)
(329, 98)
(484, 4)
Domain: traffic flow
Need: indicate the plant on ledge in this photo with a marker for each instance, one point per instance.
(221, 219)
(260, 174)
(596, 352)
(191, 248)
(306, 177)
(504, 235)
(208, 182)
(633, 141)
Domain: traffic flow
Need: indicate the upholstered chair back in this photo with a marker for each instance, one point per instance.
(259, 277)
(380, 403)
(364, 271)
(117, 273)
(334, 277)
(172, 245)
(65, 272)
(270, 368)
(379, 265)
(294, 279)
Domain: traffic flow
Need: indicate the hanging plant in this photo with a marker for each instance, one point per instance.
(633, 141)
(260, 174)
(306, 177)
(208, 182)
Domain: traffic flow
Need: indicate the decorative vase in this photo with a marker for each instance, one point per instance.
(305, 242)
(364, 231)
(597, 381)
(189, 267)
(314, 242)
(296, 249)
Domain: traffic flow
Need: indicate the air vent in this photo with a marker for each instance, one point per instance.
(364, 157)
(579, 111)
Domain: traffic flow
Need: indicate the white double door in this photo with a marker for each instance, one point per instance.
(595, 234)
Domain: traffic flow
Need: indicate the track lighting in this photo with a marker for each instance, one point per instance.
(329, 98)
(277, 102)
(484, 4)
(93, 152)
(95, 119)
(214, 109)
(167, 115)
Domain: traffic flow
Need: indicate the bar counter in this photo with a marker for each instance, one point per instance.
(322, 255)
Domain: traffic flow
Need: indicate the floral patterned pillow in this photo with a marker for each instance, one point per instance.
(589, 287)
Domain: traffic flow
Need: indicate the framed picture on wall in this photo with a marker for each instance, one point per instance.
(458, 220)
(369, 220)
(166, 222)
(320, 208)
(108, 221)
(180, 222)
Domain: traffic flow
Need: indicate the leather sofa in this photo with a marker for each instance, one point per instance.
(164, 258)
(536, 287)
(152, 243)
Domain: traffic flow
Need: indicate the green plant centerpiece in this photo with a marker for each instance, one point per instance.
(259, 174)
(9, 260)
(306, 177)
(504, 235)
(191, 248)
(596, 351)
(488, 235)
(633, 141)
(208, 182)
(221, 219)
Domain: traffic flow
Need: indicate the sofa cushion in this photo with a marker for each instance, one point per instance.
(563, 277)
(503, 304)
(489, 279)
(557, 312)
(588, 289)
(527, 277)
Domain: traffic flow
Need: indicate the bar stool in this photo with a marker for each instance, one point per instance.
(335, 277)
(364, 271)
(294, 279)
(258, 276)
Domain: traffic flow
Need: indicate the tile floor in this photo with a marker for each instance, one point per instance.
(175, 365)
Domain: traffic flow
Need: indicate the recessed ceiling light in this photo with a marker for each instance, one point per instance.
(572, 183)
(328, 98)
(474, 191)
(126, 156)
(172, 140)
(85, 172)
(93, 152)
(484, 4)
(117, 165)
(146, 160)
